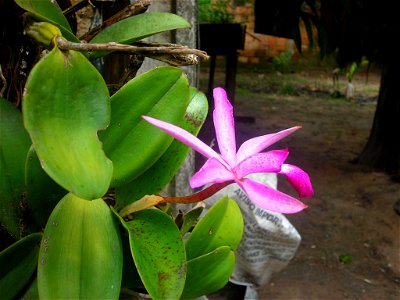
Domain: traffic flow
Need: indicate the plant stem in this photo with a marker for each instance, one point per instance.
(173, 54)
(138, 7)
(151, 200)
(75, 7)
(199, 196)
(143, 203)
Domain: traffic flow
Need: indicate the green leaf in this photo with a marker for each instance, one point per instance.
(31, 292)
(14, 145)
(130, 276)
(137, 27)
(63, 113)
(345, 258)
(81, 252)
(161, 173)
(130, 142)
(158, 252)
(190, 218)
(47, 11)
(221, 226)
(208, 273)
(18, 263)
(42, 192)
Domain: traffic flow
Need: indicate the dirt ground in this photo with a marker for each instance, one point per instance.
(350, 232)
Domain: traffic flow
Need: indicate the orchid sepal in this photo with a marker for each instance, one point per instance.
(231, 166)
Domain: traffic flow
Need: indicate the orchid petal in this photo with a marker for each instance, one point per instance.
(224, 126)
(270, 161)
(298, 179)
(185, 137)
(257, 144)
(270, 199)
(211, 172)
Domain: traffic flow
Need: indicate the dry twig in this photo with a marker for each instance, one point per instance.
(3, 79)
(75, 7)
(173, 54)
(133, 9)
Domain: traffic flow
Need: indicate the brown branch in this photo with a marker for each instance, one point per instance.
(133, 9)
(75, 7)
(173, 54)
(4, 81)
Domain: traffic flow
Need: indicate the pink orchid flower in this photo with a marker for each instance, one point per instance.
(235, 166)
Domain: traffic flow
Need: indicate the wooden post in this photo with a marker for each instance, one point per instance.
(213, 60)
(230, 74)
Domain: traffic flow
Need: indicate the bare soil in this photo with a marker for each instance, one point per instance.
(350, 232)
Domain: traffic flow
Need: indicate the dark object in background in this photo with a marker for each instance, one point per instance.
(230, 291)
(220, 39)
(396, 207)
(277, 18)
(223, 39)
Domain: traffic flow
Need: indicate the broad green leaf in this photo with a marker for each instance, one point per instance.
(158, 252)
(14, 145)
(190, 218)
(31, 292)
(18, 263)
(42, 193)
(47, 11)
(130, 142)
(137, 27)
(208, 273)
(80, 253)
(62, 113)
(221, 226)
(130, 276)
(161, 172)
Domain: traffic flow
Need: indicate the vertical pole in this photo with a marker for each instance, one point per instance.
(188, 37)
(188, 10)
(230, 76)
(211, 76)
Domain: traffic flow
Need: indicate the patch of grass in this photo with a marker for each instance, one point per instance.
(243, 91)
(313, 82)
(282, 61)
(287, 89)
(371, 89)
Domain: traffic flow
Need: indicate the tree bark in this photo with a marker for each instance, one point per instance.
(382, 151)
